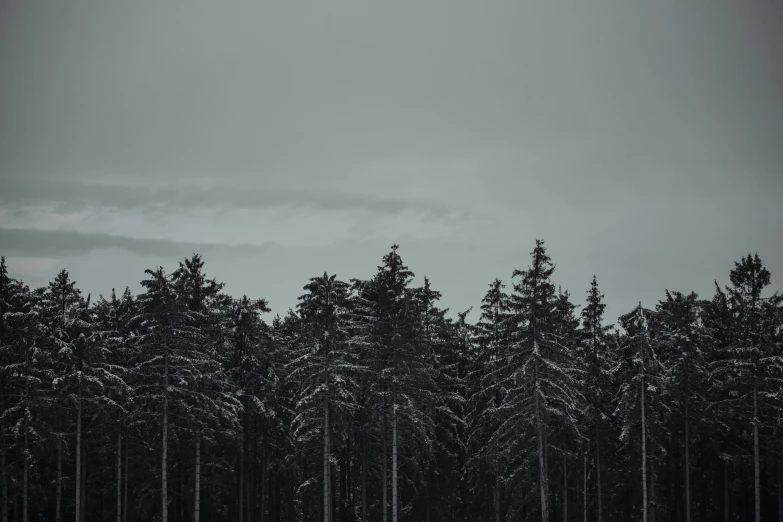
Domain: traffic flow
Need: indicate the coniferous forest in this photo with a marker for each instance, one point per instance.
(368, 403)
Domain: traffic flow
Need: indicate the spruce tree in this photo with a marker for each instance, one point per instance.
(325, 369)
(596, 361)
(486, 463)
(682, 341)
(541, 390)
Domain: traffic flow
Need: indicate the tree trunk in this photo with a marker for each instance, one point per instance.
(264, 476)
(385, 474)
(598, 477)
(125, 486)
(26, 465)
(4, 479)
(364, 478)
(497, 491)
(78, 492)
(652, 482)
(394, 460)
(780, 493)
(584, 488)
(644, 460)
(59, 492)
(84, 486)
(327, 493)
(250, 481)
(164, 485)
(348, 506)
(197, 485)
(119, 473)
(542, 478)
(16, 499)
(26, 460)
(565, 489)
(241, 516)
(756, 466)
(687, 459)
(726, 491)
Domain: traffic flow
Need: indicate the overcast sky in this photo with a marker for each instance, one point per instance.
(642, 140)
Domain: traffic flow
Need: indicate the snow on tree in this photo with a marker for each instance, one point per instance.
(490, 338)
(596, 362)
(325, 369)
(540, 393)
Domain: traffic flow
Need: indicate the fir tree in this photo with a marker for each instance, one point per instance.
(325, 370)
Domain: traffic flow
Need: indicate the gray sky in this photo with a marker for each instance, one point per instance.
(642, 140)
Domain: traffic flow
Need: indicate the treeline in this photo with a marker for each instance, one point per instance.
(367, 403)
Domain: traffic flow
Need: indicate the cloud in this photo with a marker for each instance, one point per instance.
(63, 243)
(69, 195)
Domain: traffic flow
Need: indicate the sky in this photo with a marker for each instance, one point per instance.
(643, 141)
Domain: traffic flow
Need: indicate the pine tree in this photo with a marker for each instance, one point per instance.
(113, 317)
(203, 390)
(541, 392)
(249, 371)
(487, 393)
(640, 409)
(752, 370)
(596, 362)
(8, 288)
(325, 370)
(681, 343)
(162, 323)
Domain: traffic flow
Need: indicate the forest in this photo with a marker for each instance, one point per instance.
(368, 402)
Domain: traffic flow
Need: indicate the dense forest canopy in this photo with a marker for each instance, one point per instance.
(368, 403)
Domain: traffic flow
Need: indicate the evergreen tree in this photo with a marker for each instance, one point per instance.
(752, 371)
(203, 390)
(681, 343)
(640, 406)
(325, 370)
(486, 394)
(540, 389)
(597, 362)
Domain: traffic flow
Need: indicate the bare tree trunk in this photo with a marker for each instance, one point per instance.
(59, 493)
(78, 492)
(756, 466)
(644, 459)
(542, 478)
(687, 459)
(84, 486)
(164, 485)
(565, 488)
(652, 481)
(197, 485)
(26, 462)
(125, 486)
(241, 516)
(327, 493)
(780, 493)
(264, 476)
(584, 488)
(250, 480)
(4, 479)
(497, 491)
(726, 491)
(16, 499)
(598, 477)
(385, 474)
(394, 460)
(364, 479)
(119, 473)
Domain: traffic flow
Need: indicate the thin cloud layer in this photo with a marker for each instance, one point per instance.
(67, 243)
